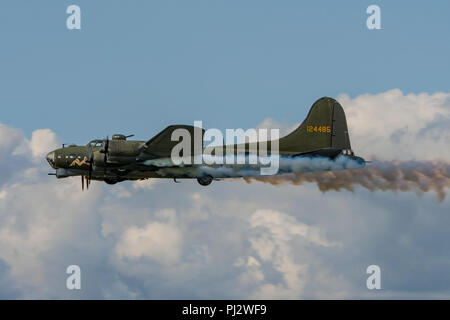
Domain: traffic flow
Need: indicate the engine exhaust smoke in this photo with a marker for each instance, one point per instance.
(417, 176)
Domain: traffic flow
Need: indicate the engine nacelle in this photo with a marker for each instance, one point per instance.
(99, 159)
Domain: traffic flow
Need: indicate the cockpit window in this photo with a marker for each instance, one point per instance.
(96, 143)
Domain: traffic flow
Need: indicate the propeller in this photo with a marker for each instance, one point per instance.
(91, 164)
(104, 150)
(90, 161)
(105, 145)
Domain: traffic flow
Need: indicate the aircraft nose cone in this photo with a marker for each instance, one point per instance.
(51, 159)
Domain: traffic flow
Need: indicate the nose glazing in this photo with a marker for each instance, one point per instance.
(51, 159)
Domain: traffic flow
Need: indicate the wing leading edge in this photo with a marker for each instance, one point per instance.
(161, 145)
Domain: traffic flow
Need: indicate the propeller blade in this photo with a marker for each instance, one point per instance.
(105, 145)
(105, 150)
(82, 182)
(91, 164)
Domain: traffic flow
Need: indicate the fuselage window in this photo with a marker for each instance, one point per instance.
(72, 156)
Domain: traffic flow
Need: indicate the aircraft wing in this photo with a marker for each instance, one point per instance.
(161, 145)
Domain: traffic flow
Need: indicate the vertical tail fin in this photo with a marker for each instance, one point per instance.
(325, 127)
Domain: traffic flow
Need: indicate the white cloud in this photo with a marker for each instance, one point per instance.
(145, 184)
(163, 240)
(157, 241)
(269, 123)
(391, 125)
(37, 219)
(42, 141)
(273, 243)
(12, 145)
(10, 138)
(284, 227)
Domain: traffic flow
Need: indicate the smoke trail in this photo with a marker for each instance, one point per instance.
(336, 174)
(418, 176)
(240, 166)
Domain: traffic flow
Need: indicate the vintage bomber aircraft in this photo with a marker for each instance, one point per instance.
(323, 133)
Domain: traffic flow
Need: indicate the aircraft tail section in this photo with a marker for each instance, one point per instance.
(324, 130)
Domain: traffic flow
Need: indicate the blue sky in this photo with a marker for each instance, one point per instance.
(136, 67)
